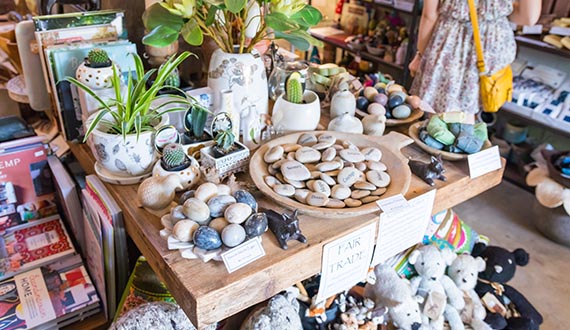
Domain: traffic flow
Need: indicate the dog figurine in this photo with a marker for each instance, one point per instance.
(285, 227)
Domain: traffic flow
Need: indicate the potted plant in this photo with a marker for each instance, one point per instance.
(122, 131)
(236, 27)
(296, 103)
(174, 160)
(227, 156)
(97, 70)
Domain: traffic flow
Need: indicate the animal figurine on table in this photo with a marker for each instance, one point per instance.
(442, 299)
(511, 310)
(285, 227)
(464, 272)
(429, 171)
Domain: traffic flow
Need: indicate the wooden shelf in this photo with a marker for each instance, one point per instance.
(209, 294)
(536, 43)
(535, 118)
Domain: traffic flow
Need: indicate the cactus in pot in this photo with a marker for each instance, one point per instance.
(174, 157)
(294, 88)
(98, 58)
(224, 143)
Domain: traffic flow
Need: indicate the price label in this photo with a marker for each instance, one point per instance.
(484, 162)
(393, 204)
(532, 29)
(243, 254)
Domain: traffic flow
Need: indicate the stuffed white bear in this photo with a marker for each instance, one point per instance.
(395, 293)
(442, 298)
(464, 272)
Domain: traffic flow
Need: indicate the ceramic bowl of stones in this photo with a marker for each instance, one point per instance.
(211, 220)
(331, 174)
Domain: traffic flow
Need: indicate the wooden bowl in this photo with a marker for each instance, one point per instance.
(390, 146)
(414, 132)
(415, 115)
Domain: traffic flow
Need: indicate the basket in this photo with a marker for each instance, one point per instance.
(227, 165)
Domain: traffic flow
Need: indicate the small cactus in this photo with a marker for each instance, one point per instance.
(173, 155)
(294, 88)
(98, 58)
(225, 140)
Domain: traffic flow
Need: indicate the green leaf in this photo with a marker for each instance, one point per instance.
(161, 36)
(308, 16)
(235, 6)
(211, 15)
(192, 34)
(296, 41)
(279, 22)
(198, 117)
(156, 15)
(95, 122)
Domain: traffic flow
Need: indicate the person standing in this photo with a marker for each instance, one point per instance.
(445, 66)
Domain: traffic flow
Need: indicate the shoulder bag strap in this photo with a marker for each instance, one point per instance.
(477, 36)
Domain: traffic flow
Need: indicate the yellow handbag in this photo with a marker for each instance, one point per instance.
(497, 88)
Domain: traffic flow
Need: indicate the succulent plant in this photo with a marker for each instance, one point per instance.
(98, 58)
(294, 88)
(225, 140)
(173, 155)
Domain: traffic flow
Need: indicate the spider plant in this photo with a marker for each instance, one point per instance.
(133, 111)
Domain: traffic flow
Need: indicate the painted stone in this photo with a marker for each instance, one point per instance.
(293, 170)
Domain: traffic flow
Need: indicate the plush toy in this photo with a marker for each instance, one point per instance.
(519, 314)
(463, 271)
(395, 293)
(442, 298)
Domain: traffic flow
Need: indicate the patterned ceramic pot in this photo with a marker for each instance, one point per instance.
(96, 78)
(128, 157)
(244, 74)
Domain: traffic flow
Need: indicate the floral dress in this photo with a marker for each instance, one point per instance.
(448, 78)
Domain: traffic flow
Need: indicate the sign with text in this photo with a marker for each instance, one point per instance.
(484, 162)
(393, 203)
(346, 261)
(243, 254)
(403, 228)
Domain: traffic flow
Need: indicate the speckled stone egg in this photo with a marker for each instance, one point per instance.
(395, 100)
(402, 111)
(243, 196)
(362, 103)
(233, 235)
(186, 195)
(237, 213)
(219, 204)
(207, 238)
(184, 230)
(256, 225)
(196, 210)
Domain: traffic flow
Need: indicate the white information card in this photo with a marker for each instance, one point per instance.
(243, 254)
(403, 228)
(393, 203)
(346, 261)
(484, 162)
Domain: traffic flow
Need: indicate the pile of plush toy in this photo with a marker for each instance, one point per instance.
(465, 291)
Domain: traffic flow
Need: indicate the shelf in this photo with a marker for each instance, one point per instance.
(534, 117)
(389, 7)
(337, 40)
(536, 43)
(206, 291)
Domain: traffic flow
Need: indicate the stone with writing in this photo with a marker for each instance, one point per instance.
(293, 170)
(274, 154)
(328, 166)
(380, 179)
(371, 153)
(317, 199)
(322, 187)
(307, 155)
(376, 166)
(328, 154)
(353, 156)
(348, 176)
(307, 139)
(340, 192)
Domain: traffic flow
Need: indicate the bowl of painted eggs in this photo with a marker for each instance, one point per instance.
(391, 99)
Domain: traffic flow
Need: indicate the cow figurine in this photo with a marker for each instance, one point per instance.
(285, 227)
(429, 171)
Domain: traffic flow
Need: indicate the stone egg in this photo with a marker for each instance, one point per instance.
(414, 101)
(243, 196)
(362, 103)
(381, 98)
(233, 235)
(256, 225)
(196, 210)
(369, 93)
(389, 114)
(379, 85)
(184, 230)
(237, 213)
(395, 101)
(207, 238)
(376, 109)
(177, 213)
(206, 191)
(400, 94)
(224, 189)
(185, 196)
(395, 88)
(402, 111)
(219, 204)
(218, 224)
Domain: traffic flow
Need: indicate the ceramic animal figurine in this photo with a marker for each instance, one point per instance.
(374, 124)
(429, 171)
(285, 227)
(157, 192)
(342, 101)
(346, 123)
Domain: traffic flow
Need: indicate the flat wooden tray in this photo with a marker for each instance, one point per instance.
(390, 146)
(414, 132)
(415, 115)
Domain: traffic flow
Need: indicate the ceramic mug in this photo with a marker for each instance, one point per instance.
(291, 117)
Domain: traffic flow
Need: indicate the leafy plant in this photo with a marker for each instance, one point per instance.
(294, 88)
(225, 140)
(231, 22)
(133, 111)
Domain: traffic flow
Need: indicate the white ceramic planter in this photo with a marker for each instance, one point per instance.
(244, 74)
(188, 176)
(290, 117)
(124, 158)
(96, 78)
(229, 164)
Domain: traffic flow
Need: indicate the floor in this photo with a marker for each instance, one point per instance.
(505, 215)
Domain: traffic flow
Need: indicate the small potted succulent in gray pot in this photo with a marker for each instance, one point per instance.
(174, 160)
(227, 156)
(121, 132)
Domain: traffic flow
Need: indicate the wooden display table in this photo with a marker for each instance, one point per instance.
(209, 294)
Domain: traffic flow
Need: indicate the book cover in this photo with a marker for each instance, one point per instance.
(26, 187)
(78, 19)
(33, 245)
(43, 296)
(68, 198)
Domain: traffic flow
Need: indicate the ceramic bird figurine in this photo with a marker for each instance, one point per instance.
(157, 192)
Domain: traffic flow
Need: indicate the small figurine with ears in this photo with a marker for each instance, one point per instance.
(429, 171)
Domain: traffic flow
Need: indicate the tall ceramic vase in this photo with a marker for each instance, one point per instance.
(244, 74)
